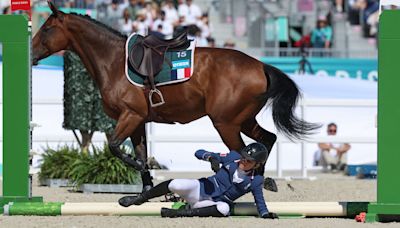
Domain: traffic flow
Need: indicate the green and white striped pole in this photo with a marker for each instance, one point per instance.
(283, 209)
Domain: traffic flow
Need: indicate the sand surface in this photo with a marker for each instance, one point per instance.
(327, 187)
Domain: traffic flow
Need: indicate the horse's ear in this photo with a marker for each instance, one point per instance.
(56, 12)
(53, 7)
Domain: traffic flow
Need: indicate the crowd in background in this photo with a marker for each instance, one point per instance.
(364, 13)
(163, 18)
(360, 13)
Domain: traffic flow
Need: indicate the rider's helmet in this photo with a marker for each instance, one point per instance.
(255, 152)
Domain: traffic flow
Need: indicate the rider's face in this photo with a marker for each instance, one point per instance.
(245, 164)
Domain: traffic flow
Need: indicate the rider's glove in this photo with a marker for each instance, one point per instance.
(269, 215)
(214, 164)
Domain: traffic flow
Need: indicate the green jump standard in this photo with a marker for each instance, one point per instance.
(387, 207)
(15, 39)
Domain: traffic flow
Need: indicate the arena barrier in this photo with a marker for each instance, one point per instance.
(17, 197)
(283, 209)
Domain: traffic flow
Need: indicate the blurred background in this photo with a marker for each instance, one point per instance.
(328, 47)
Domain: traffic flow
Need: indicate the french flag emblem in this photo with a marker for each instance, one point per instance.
(180, 73)
(181, 69)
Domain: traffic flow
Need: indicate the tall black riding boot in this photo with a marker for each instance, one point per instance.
(200, 212)
(158, 190)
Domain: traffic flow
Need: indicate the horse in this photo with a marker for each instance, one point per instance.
(227, 85)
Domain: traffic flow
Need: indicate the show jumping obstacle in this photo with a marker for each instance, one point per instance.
(284, 209)
(15, 37)
(17, 198)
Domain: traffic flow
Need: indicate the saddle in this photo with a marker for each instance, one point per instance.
(147, 57)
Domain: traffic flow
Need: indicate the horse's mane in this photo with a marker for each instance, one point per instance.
(108, 28)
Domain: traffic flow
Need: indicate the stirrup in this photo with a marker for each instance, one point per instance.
(158, 92)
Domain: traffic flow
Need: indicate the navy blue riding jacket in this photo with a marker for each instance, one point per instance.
(220, 187)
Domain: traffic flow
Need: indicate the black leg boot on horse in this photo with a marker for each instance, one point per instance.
(200, 212)
(137, 164)
(128, 123)
(139, 141)
(159, 190)
(116, 151)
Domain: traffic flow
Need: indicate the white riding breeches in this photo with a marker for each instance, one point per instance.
(189, 190)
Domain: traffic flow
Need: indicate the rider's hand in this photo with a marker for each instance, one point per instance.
(214, 164)
(269, 215)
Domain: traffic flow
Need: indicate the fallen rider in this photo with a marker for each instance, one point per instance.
(240, 173)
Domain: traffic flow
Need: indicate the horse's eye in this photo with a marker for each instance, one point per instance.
(46, 29)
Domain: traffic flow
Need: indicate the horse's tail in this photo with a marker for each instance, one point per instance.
(284, 95)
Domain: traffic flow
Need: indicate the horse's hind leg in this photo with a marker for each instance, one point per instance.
(138, 139)
(253, 130)
(230, 135)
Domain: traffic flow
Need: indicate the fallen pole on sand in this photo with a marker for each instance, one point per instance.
(297, 209)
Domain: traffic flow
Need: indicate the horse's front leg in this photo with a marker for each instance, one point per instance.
(138, 139)
(127, 123)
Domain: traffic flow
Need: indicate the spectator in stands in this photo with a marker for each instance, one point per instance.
(211, 42)
(125, 23)
(90, 4)
(114, 13)
(7, 10)
(338, 6)
(321, 36)
(4, 5)
(180, 26)
(167, 27)
(332, 154)
(353, 12)
(204, 25)
(181, 21)
(195, 33)
(150, 9)
(368, 7)
(139, 25)
(229, 44)
(182, 9)
(390, 7)
(372, 24)
(370, 10)
(158, 32)
(190, 11)
(133, 8)
(69, 4)
(171, 14)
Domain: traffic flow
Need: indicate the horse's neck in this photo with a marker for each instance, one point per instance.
(96, 51)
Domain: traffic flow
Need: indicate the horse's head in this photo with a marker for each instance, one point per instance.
(52, 36)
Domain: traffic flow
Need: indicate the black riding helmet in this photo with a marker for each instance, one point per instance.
(255, 152)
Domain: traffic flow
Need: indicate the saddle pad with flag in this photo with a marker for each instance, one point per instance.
(181, 70)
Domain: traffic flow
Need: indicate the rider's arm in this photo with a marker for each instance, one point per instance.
(256, 189)
(222, 158)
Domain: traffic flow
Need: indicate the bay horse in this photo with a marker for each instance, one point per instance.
(228, 86)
